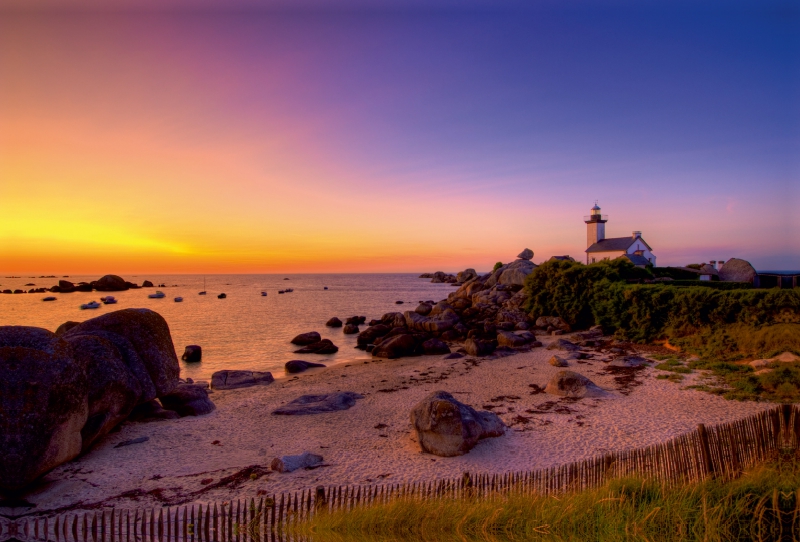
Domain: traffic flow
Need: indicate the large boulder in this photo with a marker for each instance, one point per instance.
(397, 346)
(66, 326)
(424, 309)
(511, 339)
(188, 400)
(466, 275)
(143, 340)
(111, 283)
(44, 404)
(233, 379)
(305, 339)
(316, 404)
(447, 427)
(573, 385)
(350, 329)
(65, 286)
(736, 270)
(113, 391)
(563, 344)
(516, 272)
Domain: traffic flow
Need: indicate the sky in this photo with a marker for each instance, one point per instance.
(387, 136)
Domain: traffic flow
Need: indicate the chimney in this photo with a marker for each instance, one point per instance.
(713, 263)
(636, 234)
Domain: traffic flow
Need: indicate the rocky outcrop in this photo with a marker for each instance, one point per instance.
(291, 463)
(447, 427)
(305, 339)
(317, 404)
(736, 270)
(437, 322)
(188, 400)
(394, 319)
(477, 347)
(111, 283)
(573, 385)
(526, 254)
(424, 309)
(44, 404)
(298, 366)
(466, 275)
(371, 334)
(192, 353)
(233, 379)
(554, 322)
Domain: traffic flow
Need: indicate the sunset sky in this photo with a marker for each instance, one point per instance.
(324, 136)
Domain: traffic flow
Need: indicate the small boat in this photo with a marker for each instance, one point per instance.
(178, 299)
(289, 290)
(108, 300)
(90, 305)
(204, 287)
(221, 296)
(325, 288)
(263, 294)
(158, 295)
(280, 291)
(49, 298)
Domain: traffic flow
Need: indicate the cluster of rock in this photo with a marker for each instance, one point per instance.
(485, 312)
(61, 392)
(108, 283)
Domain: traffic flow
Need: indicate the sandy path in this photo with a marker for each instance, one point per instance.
(180, 453)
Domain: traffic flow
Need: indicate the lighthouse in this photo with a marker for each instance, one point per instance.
(595, 226)
(598, 247)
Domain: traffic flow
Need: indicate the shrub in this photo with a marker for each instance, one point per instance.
(497, 266)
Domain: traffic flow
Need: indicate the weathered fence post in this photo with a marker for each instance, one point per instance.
(705, 450)
(466, 482)
(320, 502)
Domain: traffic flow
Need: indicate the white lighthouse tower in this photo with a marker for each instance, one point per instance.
(595, 226)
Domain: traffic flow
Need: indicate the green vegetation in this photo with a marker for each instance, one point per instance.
(778, 382)
(748, 508)
(497, 266)
(711, 284)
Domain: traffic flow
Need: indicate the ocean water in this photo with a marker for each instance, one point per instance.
(245, 330)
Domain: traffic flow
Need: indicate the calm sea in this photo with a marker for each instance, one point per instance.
(245, 330)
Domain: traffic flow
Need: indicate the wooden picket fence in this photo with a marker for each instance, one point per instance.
(717, 451)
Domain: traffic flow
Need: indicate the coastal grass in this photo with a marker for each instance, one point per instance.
(747, 508)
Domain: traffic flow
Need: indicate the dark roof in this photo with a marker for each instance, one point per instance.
(636, 259)
(614, 243)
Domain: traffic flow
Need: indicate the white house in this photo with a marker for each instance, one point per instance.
(599, 247)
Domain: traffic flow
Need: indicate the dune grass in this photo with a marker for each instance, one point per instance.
(760, 505)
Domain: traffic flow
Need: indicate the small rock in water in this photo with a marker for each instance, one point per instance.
(350, 329)
(298, 366)
(334, 322)
(325, 346)
(305, 339)
(192, 353)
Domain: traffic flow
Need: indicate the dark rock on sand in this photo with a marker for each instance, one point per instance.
(334, 322)
(152, 411)
(111, 283)
(558, 361)
(305, 339)
(507, 338)
(192, 353)
(298, 366)
(563, 344)
(447, 427)
(232, 379)
(316, 404)
(477, 347)
(453, 355)
(397, 346)
(573, 385)
(433, 347)
(188, 400)
(325, 346)
(290, 463)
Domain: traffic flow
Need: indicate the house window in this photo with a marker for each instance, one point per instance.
(593, 260)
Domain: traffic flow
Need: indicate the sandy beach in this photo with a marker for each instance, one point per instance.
(188, 460)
